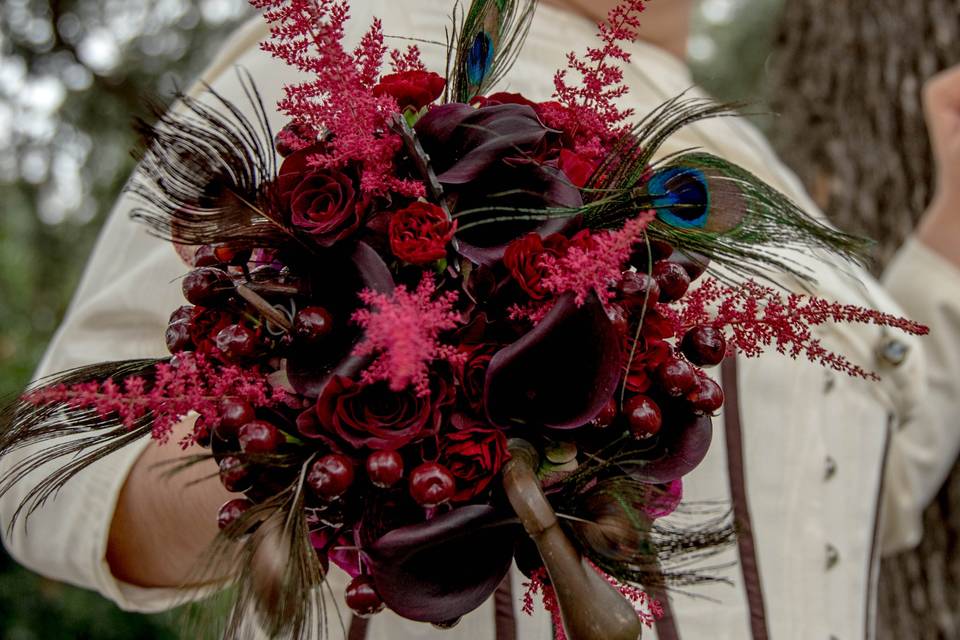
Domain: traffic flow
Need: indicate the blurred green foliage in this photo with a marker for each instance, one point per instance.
(73, 73)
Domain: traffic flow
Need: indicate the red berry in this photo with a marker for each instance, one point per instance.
(231, 255)
(202, 432)
(236, 341)
(178, 337)
(232, 510)
(672, 279)
(643, 416)
(205, 257)
(331, 476)
(607, 415)
(676, 377)
(638, 289)
(644, 254)
(207, 286)
(233, 474)
(385, 468)
(234, 414)
(362, 597)
(704, 346)
(259, 437)
(183, 314)
(618, 317)
(706, 397)
(431, 484)
(312, 324)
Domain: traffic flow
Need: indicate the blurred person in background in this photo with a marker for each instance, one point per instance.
(846, 83)
(823, 471)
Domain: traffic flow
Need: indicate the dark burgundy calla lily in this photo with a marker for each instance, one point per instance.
(499, 158)
(446, 567)
(561, 374)
(681, 449)
(308, 371)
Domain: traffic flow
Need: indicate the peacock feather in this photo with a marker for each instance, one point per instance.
(487, 44)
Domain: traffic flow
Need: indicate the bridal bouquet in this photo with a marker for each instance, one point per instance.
(416, 283)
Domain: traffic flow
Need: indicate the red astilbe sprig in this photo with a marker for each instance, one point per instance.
(409, 60)
(756, 317)
(589, 108)
(648, 609)
(403, 329)
(339, 99)
(192, 384)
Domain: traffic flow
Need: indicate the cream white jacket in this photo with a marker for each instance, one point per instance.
(832, 464)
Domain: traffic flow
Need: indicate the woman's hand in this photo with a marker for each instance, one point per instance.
(940, 227)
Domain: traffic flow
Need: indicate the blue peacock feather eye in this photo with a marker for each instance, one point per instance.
(680, 196)
(480, 58)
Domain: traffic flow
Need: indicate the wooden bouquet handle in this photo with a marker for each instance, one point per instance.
(590, 607)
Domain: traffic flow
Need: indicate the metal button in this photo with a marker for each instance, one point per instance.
(833, 556)
(830, 468)
(892, 352)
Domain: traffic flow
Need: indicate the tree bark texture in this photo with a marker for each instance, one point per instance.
(846, 81)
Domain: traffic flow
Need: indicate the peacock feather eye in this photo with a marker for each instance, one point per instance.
(480, 58)
(681, 197)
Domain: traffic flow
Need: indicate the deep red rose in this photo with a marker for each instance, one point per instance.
(472, 373)
(522, 259)
(503, 97)
(577, 167)
(419, 234)
(650, 354)
(373, 416)
(474, 457)
(323, 203)
(413, 89)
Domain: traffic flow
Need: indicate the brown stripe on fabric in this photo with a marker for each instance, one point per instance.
(741, 509)
(666, 625)
(870, 621)
(505, 623)
(358, 628)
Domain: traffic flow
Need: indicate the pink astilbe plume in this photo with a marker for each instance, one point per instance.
(648, 609)
(403, 329)
(408, 60)
(595, 265)
(339, 99)
(755, 317)
(588, 108)
(193, 384)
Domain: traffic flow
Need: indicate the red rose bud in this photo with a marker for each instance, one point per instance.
(331, 476)
(704, 346)
(420, 233)
(259, 437)
(362, 597)
(432, 484)
(643, 416)
(231, 511)
(676, 377)
(672, 279)
(706, 397)
(385, 468)
(411, 89)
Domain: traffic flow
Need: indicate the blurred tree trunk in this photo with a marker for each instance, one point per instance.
(847, 77)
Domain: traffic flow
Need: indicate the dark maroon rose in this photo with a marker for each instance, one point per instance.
(472, 373)
(411, 89)
(648, 357)
(420, 233)
(503, 97)
(474, 457)
(322, 203)
(522, 259)
(373, 416)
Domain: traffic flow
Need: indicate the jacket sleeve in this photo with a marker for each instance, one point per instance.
(120, 310)
(925, 447)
